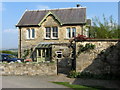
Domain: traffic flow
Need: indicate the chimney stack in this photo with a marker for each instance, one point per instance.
(78, 5)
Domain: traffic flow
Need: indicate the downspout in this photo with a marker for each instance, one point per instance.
(19, 42)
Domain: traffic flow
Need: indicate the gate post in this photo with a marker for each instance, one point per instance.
(74, 57)
(57, 66)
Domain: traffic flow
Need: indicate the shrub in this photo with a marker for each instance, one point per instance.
(87, 47)
(73, 74)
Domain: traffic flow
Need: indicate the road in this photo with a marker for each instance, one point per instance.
(29, 82)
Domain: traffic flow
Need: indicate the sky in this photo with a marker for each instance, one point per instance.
(12, 12)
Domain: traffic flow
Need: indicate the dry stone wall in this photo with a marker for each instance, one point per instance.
(104, 59)
(28, 69)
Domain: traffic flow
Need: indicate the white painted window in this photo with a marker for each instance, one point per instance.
(33, 33)
(48, 32)
(71, 32)
(68, 33)
(51, 32)
(30, 33)
(54, 32)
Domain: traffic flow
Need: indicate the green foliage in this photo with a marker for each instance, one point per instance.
(26, 53)
(87, 47)
(9, 52)
(74, 74)
(106, 28)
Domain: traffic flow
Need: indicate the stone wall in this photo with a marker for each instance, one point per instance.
(28, 69)
(104, 59)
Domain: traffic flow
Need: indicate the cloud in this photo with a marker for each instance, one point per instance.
(10, 31)
(43, 7)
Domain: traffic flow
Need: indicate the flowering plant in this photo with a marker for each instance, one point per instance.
(81, 37)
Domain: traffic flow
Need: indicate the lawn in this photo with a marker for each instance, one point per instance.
(75, 87)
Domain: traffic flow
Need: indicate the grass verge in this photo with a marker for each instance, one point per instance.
(75, 87)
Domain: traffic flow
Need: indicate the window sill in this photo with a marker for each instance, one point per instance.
(31, 39)
(55, 38)
(67, 38)
(51, 38)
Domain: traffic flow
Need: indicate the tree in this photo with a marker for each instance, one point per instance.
(107, 28)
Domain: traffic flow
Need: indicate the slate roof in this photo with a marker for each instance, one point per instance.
(66, 16)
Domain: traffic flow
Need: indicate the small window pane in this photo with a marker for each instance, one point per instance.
(33, 33)
(48, 32)
(28, 34)
(73, 32)
(68, 33)
(55, 31)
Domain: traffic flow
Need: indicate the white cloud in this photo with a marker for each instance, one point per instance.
(10, 31)
(42, 7)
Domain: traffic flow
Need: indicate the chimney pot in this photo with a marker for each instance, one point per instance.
(78, 5)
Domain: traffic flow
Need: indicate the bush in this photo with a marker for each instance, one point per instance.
(74, 74)
(87, 47)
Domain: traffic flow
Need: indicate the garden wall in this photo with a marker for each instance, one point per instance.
(28, 69)
(104, 59)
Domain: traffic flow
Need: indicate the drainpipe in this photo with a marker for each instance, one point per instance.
(19, 54)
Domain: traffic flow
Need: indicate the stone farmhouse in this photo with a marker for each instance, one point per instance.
(45, 33)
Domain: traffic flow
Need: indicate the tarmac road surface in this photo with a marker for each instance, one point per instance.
(29, 82)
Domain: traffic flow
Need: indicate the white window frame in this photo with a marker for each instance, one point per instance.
(73, 28)
(46, 33)
(54, 32)
(29, 34)
(32, 33)
(51, 33)
(71, 32)
(67, 33)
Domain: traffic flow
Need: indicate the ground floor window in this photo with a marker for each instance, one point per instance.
(44, 54)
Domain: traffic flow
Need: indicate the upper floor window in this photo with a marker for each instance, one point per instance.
(55, 32)
(48, 32)
(30, 33)
(51, 32)
(33, 33)
(71, 32)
